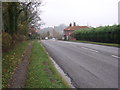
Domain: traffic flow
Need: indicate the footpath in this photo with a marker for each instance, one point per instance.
(36, 70)
(20, 74)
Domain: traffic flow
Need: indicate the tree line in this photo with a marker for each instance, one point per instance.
(17, 18)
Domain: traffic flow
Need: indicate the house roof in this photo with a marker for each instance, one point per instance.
(75, 27)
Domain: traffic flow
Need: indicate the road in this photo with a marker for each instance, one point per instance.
(88, 65)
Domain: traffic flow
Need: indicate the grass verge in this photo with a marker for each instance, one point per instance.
(10, 60)
(41, 72)
(98, 43)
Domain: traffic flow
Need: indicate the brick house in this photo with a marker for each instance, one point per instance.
(70, 29)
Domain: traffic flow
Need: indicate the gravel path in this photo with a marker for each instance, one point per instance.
(19, 76)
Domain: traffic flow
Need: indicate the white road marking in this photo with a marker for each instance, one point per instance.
(115, 56)
(89, 49)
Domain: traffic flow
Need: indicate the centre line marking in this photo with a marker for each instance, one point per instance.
(89, 49)
(115, 56)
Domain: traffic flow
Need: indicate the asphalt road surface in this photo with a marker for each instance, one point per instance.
(88, 65)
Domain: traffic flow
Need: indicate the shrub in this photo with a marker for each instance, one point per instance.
(6, 41)
(18, 38)
(9, 41)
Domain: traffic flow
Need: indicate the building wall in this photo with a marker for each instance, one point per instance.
(68, 33)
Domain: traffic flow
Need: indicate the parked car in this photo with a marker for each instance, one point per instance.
(46, 38)
(53, 38)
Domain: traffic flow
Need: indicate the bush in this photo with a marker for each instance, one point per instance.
(18, 38)
(6, 41)
(9, 41)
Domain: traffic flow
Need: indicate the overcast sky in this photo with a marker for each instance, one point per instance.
(83, 12)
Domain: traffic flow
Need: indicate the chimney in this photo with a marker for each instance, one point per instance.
(74, 24)
(70, 25)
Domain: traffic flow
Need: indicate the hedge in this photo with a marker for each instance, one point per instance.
(107, 34)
